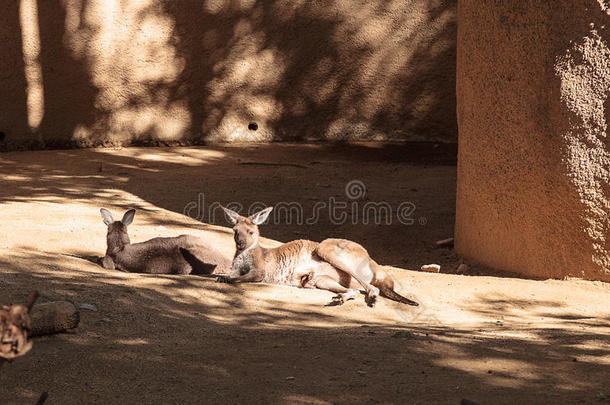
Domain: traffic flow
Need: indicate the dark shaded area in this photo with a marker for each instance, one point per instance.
(13, 113)
(69, 91)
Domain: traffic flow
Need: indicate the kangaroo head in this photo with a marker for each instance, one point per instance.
(245, 229)
(116, 236)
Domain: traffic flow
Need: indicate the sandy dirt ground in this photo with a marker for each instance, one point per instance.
(483, 336)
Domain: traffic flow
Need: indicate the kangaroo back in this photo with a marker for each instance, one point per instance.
(183, 254)
(203, 258)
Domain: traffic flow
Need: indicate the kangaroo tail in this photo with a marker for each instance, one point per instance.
(93, 259)
(393, 295)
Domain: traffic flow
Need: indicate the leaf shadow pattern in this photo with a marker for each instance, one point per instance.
(166, 72)
(187, 338)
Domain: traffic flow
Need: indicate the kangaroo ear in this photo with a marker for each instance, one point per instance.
(128, 217)
(106, 216)
(261, 216)
(231, 215)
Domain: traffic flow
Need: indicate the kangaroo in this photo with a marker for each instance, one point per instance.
(184, 254)
(336, 265)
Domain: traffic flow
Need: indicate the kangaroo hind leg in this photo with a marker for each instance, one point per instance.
(330, 284)
(354, 260)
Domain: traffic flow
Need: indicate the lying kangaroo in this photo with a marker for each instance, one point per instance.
(337, 265)
(183, 254)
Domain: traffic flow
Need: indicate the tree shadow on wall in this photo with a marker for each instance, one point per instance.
(13, 114)
(69, 89)
(167, 72)
(302, 72)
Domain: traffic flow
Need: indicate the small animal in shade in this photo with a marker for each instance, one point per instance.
(184, 254)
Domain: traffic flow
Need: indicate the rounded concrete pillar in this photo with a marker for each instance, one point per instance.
(533, 103)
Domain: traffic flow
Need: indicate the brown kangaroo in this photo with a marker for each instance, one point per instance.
(336, 265)
(184, 254)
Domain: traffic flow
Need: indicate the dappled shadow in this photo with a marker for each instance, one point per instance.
(304, 73)
(160, 72)
(186, 339)
(558, 312)
(197, 178)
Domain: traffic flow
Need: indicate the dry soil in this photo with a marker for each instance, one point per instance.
(483, 336)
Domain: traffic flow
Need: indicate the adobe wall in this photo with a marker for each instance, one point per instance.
(533, 80)
(115, 72)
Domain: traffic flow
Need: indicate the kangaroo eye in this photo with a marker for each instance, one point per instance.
(251, 232)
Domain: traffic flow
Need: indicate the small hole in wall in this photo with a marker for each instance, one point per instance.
(253, 126)
(2, 136)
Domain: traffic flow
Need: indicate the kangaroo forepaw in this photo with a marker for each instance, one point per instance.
(108, 263)
(224, 279)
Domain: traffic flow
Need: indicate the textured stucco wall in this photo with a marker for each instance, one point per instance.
(89, 72)
(533, 84)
